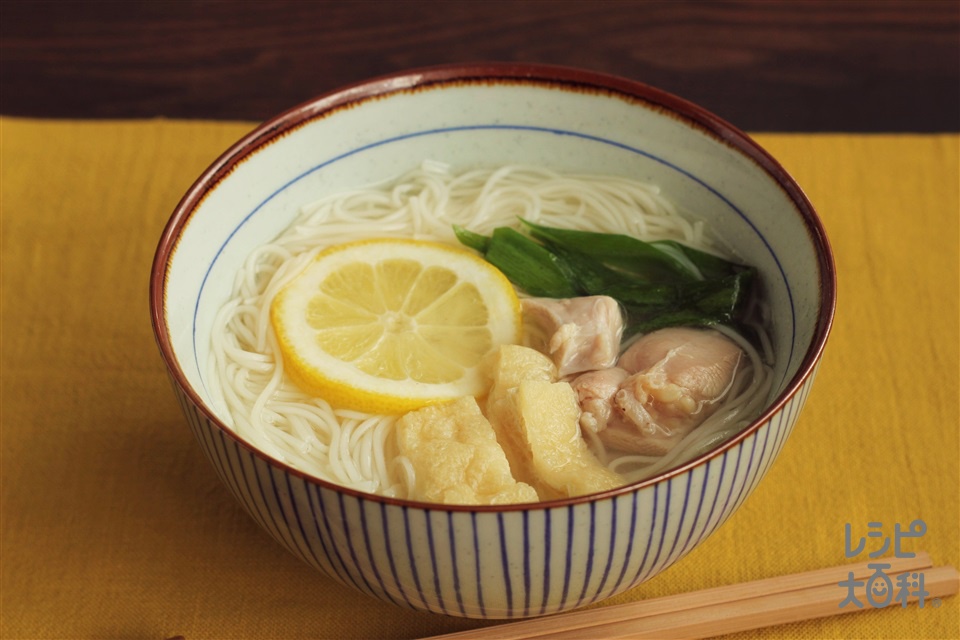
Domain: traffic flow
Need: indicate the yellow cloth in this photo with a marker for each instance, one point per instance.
(114, 526)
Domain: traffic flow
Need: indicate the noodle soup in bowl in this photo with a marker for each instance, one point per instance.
(354, 477)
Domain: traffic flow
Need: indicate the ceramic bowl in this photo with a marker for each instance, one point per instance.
(512, 561)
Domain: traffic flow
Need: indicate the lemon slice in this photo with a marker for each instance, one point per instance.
(386, 326)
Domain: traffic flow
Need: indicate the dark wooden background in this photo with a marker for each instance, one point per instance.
(814, 65)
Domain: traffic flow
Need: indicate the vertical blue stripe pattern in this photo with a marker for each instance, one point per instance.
(509, 563)
(486, 564)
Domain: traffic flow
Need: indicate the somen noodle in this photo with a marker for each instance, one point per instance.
(357, 450)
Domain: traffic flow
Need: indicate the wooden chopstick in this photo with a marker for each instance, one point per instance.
(754, 613)
(728, 609)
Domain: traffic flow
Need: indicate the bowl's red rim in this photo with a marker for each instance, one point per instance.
(498, 73)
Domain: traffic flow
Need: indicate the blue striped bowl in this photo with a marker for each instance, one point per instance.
(520, 560)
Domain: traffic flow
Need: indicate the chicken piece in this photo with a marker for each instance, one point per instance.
(595, 391)
(679, 377)
(579, 334)
(507, 368)
(457, 459)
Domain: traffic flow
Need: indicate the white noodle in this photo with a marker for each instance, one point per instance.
(358, 450)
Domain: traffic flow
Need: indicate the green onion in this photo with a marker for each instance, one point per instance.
(659, 284)
(666, 259)
(526, 264)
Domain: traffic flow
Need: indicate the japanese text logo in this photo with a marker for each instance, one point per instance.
(880, 589)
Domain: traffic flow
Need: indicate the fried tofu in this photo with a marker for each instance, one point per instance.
(457, 460)
(537, 422)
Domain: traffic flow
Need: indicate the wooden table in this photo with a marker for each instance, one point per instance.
(873, 65)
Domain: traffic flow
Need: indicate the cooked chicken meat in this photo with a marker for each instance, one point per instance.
(579, 334)
(670, 381)
(595, 391)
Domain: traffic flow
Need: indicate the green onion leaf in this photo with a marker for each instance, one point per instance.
(659, 284)
(643, 260)
(709, 265)
(526, 263)
(470, 239)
